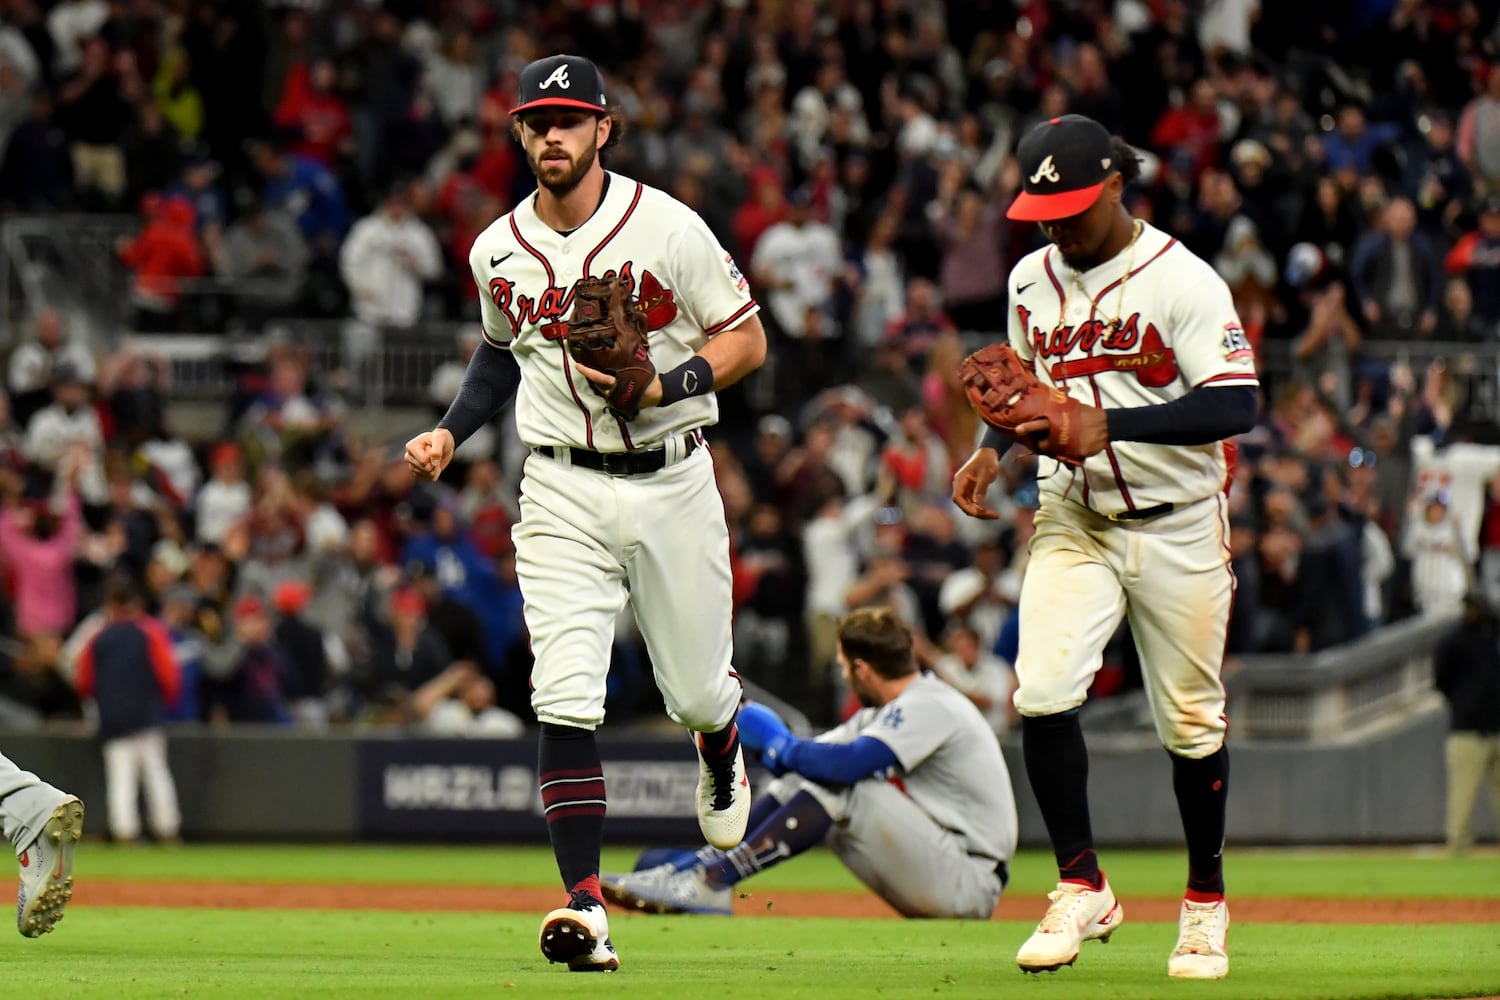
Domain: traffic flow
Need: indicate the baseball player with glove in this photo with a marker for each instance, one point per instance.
(1128, 371)
(911, 793)
(613, 313)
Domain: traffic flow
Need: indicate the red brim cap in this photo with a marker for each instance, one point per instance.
(558, 102)
(1048, 207)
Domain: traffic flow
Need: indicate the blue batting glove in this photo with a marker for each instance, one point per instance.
(777, 754)
(759, 726)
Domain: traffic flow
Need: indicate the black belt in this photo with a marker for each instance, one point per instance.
(1144, 513)
(619, 463)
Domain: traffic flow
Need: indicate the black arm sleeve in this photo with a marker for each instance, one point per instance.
(1206, 414)
(489, 382)
(994, 437)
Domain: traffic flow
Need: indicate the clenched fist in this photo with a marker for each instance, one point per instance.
(427, 455)
(972, 482)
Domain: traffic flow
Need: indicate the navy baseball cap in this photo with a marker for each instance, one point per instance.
(1064, 163)
(561, 82)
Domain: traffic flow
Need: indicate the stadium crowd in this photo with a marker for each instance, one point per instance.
(1338, 163)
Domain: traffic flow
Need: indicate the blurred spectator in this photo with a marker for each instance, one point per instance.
(94, 108)
(37, 171)
(1457, 322)
(308, 192)
(983, 677)
(796, 263)
(32, 364)
(313, 116)
(1396, 277)
(244, 669)
(165, 250)
(406, 654)
(1439, 554)
(1466, 669)
(39, 538)
(307, 679)
(32, 679)
(1476, 257)
(969, 228)
(180, 615)
(921, 325)
(1479, 131)
(1353, 145)
(225, 498)
(265, 248)
(461, 630)
(460, 701)
(130, 673)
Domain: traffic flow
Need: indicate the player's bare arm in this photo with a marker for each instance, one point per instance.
(728, 356)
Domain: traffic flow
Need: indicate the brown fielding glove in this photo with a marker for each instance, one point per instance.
(608, 333)
(1006, 394)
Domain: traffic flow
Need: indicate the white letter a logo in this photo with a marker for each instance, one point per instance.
(1045, 171)
(559, 76)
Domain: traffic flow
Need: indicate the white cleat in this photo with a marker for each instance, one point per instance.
(47, 870)
(578, 934)
(687, 891)
(1202, 950)
(1076, 914)
(723, 799)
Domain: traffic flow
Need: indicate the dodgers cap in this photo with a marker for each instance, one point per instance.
(561, 81)
(1064, 163)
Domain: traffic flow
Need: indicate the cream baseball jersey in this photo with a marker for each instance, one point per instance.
(1144, 327)
(690, 287)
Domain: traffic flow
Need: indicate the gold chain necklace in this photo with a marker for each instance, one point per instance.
(1062, 320)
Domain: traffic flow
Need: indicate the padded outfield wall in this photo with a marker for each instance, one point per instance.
(247, 783)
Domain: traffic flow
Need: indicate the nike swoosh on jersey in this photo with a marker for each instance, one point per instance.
(1022, 288)
(497, 261)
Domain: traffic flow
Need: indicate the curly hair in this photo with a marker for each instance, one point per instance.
(1127, 160)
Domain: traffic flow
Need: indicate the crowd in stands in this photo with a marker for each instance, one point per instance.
(1339, 164)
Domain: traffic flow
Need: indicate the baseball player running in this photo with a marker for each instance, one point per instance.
(589, 287)
(44, 824)
(1141, 374)
(911, 793)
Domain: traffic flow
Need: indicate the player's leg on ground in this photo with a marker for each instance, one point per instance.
(1071, 603)
(1177, 573)
(792, 828)
(26, 802)
(681, 859)
(1466, 758)
(909, 861)
(1182, 589)
(683, 599)
(122, 788)
(574, 584)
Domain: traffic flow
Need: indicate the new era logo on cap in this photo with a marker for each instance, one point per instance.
(1064, 162)
(561, 81)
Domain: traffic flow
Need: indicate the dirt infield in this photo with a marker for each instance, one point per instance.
(498, 899)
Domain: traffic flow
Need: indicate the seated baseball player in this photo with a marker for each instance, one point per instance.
(911, 793)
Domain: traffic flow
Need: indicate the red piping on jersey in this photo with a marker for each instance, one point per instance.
(516, 232)
(726, 324)
(1062, 305)
(589, 260)
(1226, 376)
(588, 419)
(1062, 296)
(1114, 462)
(625, 435)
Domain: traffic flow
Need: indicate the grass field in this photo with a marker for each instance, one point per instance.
(130, 952)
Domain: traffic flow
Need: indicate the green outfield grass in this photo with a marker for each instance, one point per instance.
(1345, 872)
(132, 953)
